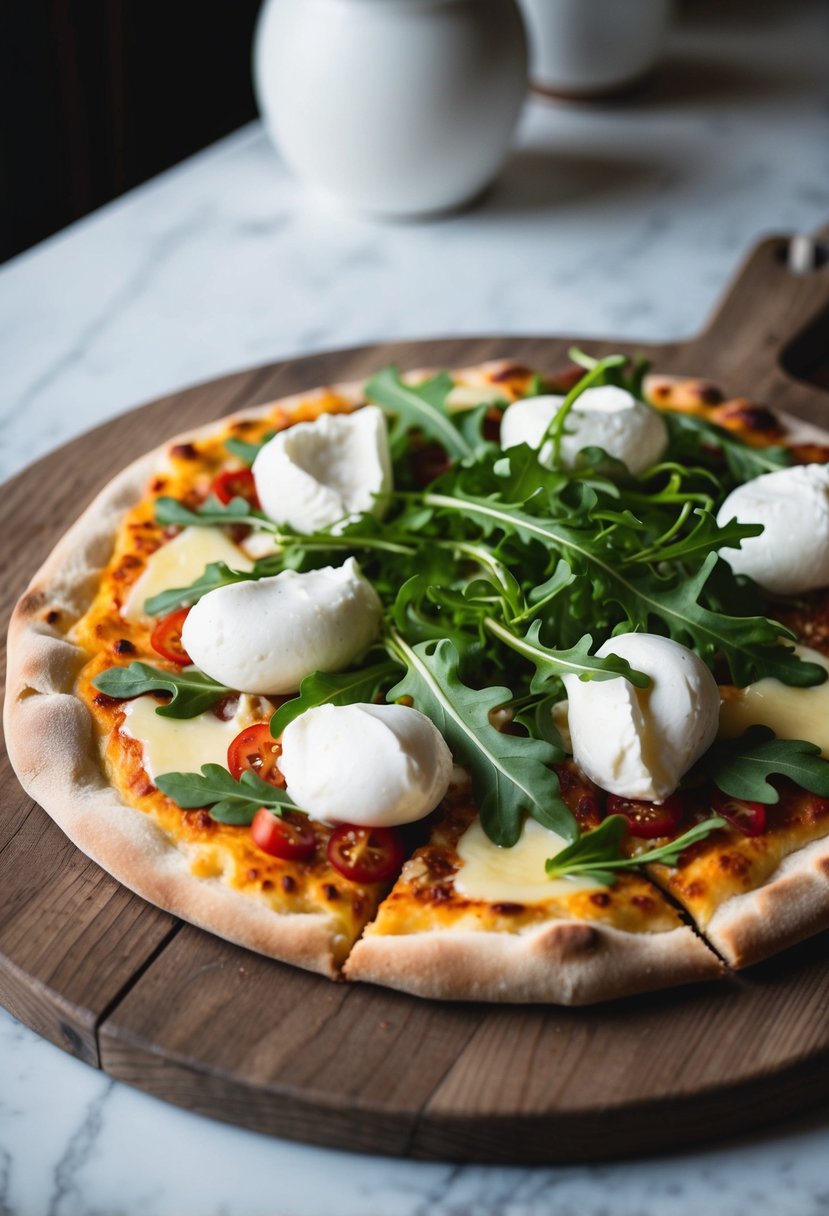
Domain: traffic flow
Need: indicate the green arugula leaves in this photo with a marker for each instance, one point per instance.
(228, 800)
(191, 691)
(216, 574)
(420, 407)
(341, 688)
(490, 578)
(511, 776)
(742, 767)
(596, 854)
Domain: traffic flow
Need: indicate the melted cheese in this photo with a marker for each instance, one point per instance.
(792, 713)
(180, 562)
(515, 875)
(184, 744)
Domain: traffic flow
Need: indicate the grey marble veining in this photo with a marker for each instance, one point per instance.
(619, 220)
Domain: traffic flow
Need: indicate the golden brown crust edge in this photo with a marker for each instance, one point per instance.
(791, 906)
(66, 777)
(561, 962)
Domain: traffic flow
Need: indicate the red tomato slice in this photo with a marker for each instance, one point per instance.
(236, 483)
(166, 638)
(256, 749)
(648, 820)
(748, 817)
(290, 837)
(365, 854)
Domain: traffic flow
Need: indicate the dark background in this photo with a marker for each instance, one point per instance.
(98, 95)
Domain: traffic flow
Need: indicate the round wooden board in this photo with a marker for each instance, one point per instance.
(214, 1028)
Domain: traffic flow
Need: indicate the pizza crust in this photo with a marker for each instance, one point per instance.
(561, 962)
(792, 905)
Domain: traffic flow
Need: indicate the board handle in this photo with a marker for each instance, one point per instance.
(773, 324)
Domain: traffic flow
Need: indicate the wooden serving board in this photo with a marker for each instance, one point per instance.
(212, 1027)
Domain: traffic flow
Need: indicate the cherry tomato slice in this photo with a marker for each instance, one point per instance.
(365, 854)
(748, 817)
(235, 483)
(648, 820)
(166, 638)
(291, 837)
(256, 749)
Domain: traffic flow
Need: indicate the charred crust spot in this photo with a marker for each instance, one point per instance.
(184, 451)
(512, 371)
(252, 874)
(267, 884)
(52, 616)
(32, 603)
(288, 884)
(508, 909)
(752, 417)
(242, 424)
(203, 820)
(660, 392)
(124, 646)
(600, 898)
(695, 889)
(645, 902)
(330, 891)
(573, 940)
(158, 484)
(144, 788)
(709, 394)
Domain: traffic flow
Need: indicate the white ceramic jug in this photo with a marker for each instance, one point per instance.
(392, 107)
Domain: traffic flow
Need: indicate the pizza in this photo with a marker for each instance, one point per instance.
(499, 684)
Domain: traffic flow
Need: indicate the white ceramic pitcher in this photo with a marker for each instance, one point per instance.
(392, 107)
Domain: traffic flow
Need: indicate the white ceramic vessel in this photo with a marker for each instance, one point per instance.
(392, 107)
(587, 48)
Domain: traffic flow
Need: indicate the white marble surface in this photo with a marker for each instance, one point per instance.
(622, 220)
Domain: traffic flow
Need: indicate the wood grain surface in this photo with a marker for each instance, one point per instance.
(212, 1027)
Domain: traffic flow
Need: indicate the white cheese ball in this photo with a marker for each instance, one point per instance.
(791, 554)
(265, 636)
(316, 473)
(605, 417)
(375, 765)
(639, 742)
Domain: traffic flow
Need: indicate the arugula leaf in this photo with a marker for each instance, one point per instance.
(741, 767)
(419, 406)
(245, 451)
(230, 801)
(170, 511)
(553, 664)
(596, 854)
(749, 644)
(694, 437)
(216, 574)
(192, 691)
(343, 688)
(510, 774)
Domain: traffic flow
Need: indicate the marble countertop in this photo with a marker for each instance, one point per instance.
(622, 220)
